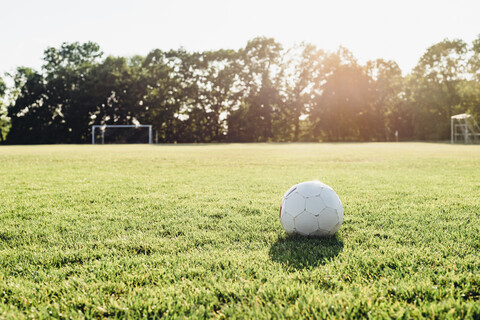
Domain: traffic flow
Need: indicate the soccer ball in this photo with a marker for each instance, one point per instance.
(311, 209)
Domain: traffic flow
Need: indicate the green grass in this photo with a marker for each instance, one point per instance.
(193, 231)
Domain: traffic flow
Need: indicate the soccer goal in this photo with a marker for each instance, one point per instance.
(464, 129)
(110, 134)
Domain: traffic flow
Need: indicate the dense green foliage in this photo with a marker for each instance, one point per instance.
(261, 92)
(4, 123)
(173, 231)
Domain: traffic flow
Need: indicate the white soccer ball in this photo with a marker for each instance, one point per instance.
(311, 209)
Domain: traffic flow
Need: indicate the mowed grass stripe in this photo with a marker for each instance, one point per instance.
(193, 230)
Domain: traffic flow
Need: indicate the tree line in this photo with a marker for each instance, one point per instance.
(262, 92)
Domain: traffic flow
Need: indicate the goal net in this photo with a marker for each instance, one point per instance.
(464, 129)
(111, 134)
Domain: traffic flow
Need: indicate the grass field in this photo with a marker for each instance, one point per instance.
(193, 231)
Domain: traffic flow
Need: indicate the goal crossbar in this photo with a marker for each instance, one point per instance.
(104, 126)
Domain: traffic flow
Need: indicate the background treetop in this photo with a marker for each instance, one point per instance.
(261, 92)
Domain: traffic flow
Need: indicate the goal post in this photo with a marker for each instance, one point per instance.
(103, 128)
(464, 128)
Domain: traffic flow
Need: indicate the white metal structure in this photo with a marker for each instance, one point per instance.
(463, 127)
(105, 126)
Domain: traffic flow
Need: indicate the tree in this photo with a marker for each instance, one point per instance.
(106, 93)
(30, 115)
(260, 76)
(258, 93)
(4, 120)
(474, 61)
(66, 70)
(303, 72)
(469, 89)
(165, 92)
(390, 111)
(55, 106)
(343, 106)
(435, 83)
(191, 119)
(217, 92)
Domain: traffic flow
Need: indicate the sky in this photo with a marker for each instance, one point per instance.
(371, 29)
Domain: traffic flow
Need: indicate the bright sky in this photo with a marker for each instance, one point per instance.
(399, 30)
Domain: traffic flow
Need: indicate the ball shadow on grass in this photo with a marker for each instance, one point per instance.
(305, 252)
